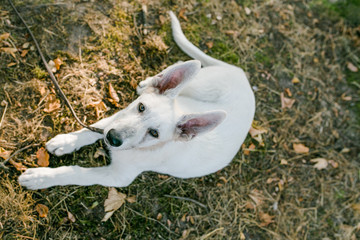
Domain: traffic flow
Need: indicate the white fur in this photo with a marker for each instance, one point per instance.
(218, 94)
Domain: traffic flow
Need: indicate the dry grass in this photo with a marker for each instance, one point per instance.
(270, 193)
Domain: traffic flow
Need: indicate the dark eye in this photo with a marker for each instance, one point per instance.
(154, 133)
(141, 107)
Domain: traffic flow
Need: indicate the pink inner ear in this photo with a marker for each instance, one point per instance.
(192, 126)
(170, 81)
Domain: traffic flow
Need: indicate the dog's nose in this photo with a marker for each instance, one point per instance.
(114, 138)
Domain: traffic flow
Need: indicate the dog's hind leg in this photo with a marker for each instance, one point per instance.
(44, 177)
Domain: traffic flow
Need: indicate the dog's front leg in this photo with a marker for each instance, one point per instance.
(67, 143)
(44, 177)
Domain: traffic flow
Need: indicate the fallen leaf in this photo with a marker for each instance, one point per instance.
(4, 36)
(288, 92)
(300, 148)
(159, 216)
(43, 157)
(321, 163)
(19, 166)
(247, 11)
(99, 106)
(283, 162)
(295, 80)
(58, 62)
(182, 14)
(255, 129)
(26, 45)
(10, 51)
(114, 201)
(183, 218)
(71, 217)
(11, 64)
(316, 60)
(113, 94)
(333, 163)
(51, 64)
(155, 42)
(42, 210)
(346, 98)
(24, 52)
(257, 197)
(52, 103)
(4, 153)
(352, 67)
(131, 199)
(286, 102)
(265, 219)
(209, 44)
(191, 220)
(356, 207)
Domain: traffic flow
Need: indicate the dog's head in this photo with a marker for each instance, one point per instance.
(153, 120)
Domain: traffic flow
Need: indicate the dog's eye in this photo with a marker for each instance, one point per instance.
(141, 107)
(154, 133)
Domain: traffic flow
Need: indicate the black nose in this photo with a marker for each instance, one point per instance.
(114, 138)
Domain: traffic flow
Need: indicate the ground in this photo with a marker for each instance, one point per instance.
(299, 178)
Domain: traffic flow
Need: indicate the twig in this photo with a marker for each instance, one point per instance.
(2, 164)
(187, 199)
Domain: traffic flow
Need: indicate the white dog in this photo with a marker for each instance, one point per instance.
(187, 122)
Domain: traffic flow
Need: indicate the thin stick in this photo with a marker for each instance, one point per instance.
(2, 164)
(52, 77)
(187, 199)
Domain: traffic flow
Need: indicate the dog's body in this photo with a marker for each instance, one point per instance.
(187, 122)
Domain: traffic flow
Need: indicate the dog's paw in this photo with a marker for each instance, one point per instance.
(36, 178)
(63, 144)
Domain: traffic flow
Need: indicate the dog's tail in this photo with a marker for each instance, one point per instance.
(189, 48)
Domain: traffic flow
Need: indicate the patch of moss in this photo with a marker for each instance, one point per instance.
(39, 72)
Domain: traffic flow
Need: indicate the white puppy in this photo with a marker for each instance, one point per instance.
(187, 122)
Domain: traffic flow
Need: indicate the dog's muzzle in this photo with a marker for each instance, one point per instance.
(114, 138)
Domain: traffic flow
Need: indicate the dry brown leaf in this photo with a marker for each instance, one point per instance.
(10, 51)
(209, 44)
(321, 163)
(288, 92)
(42, 157)
(4, 36)
(283, 162)
(352, 67)
(356, 207)
(114, 201)
(182, 14)
(99, 106)
(4, 153)
(51, 64)
(58, 62)
(159, 217)
(52, 103)
(24, 52)
(113, 94)
(300, 148)
(19, 166)
(265, 219)
(286, 102)
(183, 218)
(11, 64)
(346, 98)
(71, 217)
(256, 131)
(247, 11)
(26, 45)
(333, 163)
(131, 199)
(257, 197)
(295, 80)
(42, 210)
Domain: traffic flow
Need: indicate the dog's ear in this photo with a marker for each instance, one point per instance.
(192, 125)
(172, 79)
